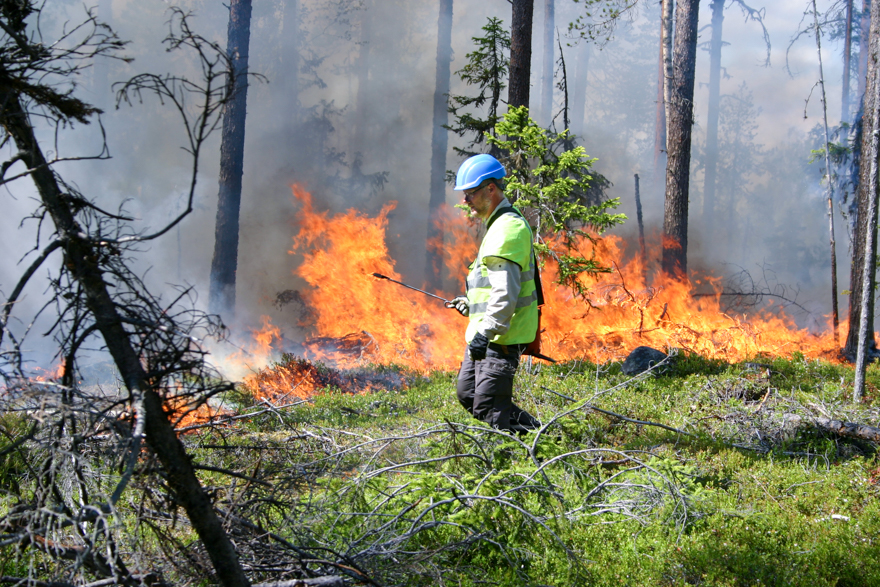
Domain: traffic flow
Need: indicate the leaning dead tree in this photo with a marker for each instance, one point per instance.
(71, 519)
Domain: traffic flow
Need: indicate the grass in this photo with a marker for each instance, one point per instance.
(405, 486)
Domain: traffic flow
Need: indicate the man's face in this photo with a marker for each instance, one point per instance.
(479, 200)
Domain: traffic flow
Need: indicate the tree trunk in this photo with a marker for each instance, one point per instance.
(439, 143)
(225, 261)
(847, 54)
(678, 142)
(864, 38)
(829, 186)
(666, 38)
(870, 245)
(715, 45)
(838, 427)
(660, 112)
(81, 258)
(547, 80)
(642, 250)
(520, 53)
(866, 197)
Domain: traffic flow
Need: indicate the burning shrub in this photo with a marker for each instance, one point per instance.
(294, 377)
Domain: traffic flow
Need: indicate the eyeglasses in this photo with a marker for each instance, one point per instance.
(468, 196)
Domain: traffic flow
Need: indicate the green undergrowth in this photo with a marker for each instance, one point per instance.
(405, 487)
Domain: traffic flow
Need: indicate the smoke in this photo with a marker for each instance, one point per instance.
(346, 112)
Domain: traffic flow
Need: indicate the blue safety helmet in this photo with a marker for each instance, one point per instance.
(475, 170)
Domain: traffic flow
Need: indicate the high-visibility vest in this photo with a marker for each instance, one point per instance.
(507, 236)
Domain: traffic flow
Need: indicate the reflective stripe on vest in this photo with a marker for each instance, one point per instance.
(510, 238)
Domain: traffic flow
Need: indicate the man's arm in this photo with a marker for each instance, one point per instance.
(505, 278)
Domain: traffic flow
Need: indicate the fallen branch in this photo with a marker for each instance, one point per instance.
(639, 422)
(838, 427)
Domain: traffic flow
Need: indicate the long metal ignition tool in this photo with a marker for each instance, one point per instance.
(446, 302)
(449, 304)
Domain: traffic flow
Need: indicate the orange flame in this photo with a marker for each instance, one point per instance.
(360, 319)
(54, 374)
(186, 417)
(391, 324)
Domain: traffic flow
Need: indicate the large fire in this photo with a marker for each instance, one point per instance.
(355, 318)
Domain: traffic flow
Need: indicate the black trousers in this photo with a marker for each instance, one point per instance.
(485, 389)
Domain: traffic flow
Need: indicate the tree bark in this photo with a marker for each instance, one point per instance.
(642, 250)
(828, 184)
(836, 427)
(866, 194)
(439, 144)
(864, 38)
(520, 53)
(666, 37)
(81, 258)
(225, 261)
(870, 245)
(660, 112)
(715, 45)
(547, 80)
(678, 142)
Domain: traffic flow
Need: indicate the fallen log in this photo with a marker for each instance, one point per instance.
(838, 427)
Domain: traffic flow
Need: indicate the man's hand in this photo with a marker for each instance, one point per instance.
(461, 304)
(477, 347)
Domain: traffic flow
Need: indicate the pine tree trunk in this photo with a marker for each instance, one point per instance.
(678, 142)
(660, 111)
(520, 53)
(666, 38)
(439, 143)
(547, 80)
(866, 195)
(81, 258)
(664, 87)
(225, 261)
(864, 39)
(868, 269)
(715, 45)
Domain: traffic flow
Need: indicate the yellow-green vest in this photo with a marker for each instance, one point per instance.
(507, 236)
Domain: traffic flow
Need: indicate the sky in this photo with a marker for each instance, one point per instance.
(149, 171)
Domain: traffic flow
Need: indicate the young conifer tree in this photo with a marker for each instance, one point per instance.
(487, 68)
(551, 180)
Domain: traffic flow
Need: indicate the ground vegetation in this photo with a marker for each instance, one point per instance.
(697, 472)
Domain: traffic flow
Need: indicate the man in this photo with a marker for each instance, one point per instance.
(501, 302)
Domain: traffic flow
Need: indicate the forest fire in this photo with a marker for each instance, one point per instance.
(46, 375)
(187, 417)
(356, 318)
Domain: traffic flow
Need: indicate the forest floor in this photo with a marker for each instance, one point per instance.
(707, 474)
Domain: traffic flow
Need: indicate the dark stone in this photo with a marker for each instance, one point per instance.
(642, 359)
